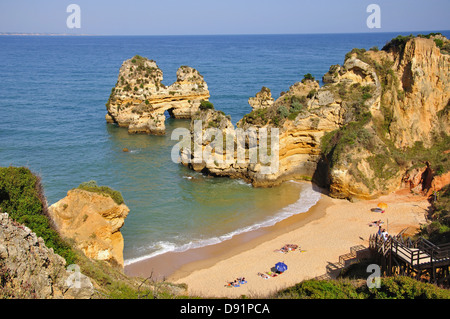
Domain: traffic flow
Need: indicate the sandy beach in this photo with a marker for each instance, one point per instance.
(325, 232)
(323, 240)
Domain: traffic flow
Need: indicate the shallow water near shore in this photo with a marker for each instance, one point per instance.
(52, 100)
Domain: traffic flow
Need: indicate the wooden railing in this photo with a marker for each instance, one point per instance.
(436, 252)
(420, 253)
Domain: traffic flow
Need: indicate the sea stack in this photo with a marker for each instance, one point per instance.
(139, 99)
(93, 221)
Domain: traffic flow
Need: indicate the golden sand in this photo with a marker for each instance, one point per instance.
(325, 232)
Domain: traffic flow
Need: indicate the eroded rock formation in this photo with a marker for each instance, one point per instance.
(356, 134)
(139, 99)
(93, 222)
(262, 99)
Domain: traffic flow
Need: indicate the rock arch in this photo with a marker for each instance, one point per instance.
(139, 99)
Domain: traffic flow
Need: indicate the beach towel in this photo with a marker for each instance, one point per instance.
(272, 274)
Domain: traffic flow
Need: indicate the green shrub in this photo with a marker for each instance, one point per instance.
(206, 105)
(257, 116)
(321, 289)
(439, 43)
(283, 111)
(398, 287)
(92, 186)
(22, 197)
(366, 96)
(311, 94)
(438, 231)
(399, 43)
(401, 287)
(308, 76)
(429, 35)
(292, 116)
(359, 53)
(296, 105)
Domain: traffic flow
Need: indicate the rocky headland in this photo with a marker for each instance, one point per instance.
(139, 99)
(379, 120)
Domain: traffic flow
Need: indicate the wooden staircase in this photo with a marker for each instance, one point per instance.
(418, 259)
(354, 256)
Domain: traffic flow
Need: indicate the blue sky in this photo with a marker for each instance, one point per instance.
(185, 17)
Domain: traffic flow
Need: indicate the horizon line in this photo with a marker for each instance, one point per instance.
(218, 34)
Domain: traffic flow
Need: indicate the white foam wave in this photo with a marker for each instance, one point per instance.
(308, 198)
(242, 182)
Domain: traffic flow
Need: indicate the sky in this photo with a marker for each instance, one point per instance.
(203, 17)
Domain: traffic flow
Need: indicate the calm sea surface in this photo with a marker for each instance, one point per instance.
(53, 92)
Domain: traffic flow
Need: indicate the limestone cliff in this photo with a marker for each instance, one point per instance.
(405, 121)
(139, 99)
(93, 222)
(30, 270)
(379, 115)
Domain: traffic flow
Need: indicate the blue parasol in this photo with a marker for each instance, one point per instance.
(281, 267)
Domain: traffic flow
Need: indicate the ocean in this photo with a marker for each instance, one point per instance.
(53, 91)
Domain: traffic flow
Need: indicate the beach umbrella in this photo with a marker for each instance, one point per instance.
(281, 267)
(382, 205)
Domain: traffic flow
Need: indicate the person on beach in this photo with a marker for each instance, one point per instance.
(263, 275)
(384, 235)
(380, 231)
(376, 223)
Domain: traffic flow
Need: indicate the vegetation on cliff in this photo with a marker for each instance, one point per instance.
(111, 283)
(379, 116)
(438, 231)
(22, 197)
(391, 147)
(92, 186)
(139, 98)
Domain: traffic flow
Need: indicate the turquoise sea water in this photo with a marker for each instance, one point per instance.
(53, 92)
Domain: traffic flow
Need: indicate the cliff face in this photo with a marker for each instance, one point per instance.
(139, 99)
(420, 92)
(93, 221)
(28, 269)
(407, 118)
(378, 115)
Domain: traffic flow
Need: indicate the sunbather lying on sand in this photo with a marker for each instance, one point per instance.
(287, 248)
(263, 275)
(232, 284)
(376, 223)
